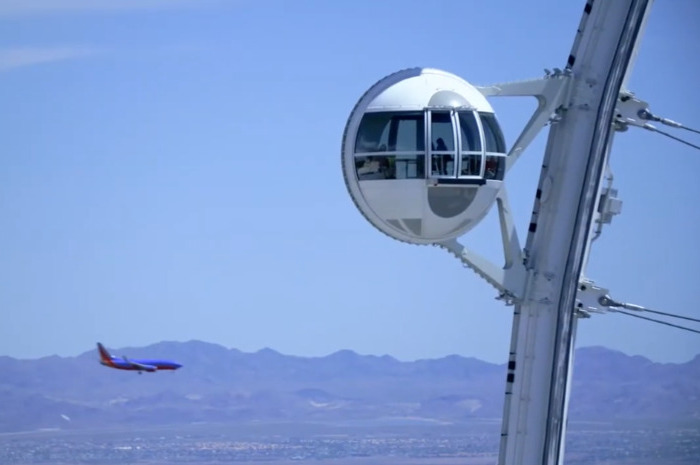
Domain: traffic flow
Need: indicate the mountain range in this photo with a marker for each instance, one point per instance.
(224, 385)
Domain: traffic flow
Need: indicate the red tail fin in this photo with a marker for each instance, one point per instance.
(104, 355)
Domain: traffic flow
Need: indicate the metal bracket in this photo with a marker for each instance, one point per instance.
(508, 280)
(595, 299)
(591, 298)
(609, 205)
(553, 93)
(630, 111)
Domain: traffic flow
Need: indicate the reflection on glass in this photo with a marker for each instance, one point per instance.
(441, 136)
(442, 144)
(373, 134)
(408, 133)
(471, 165)
(469, 131)
(391, 132)
(495, 167)
(410, 167)
(493, 137)
(390, 167)
(442, 165)
(396, 142)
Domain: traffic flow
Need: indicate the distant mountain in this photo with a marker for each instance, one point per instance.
(610, 384)
(226, 385)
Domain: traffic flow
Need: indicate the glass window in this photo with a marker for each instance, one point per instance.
(495, 167)
(442, 144)
(372, 168)
(441, 137)
(493, 137)
(409, 167)
(469, 131)
(390, 167)
(402, 135)
(391, 132)
(471, 165)
(373, 135)
(442, 165)
(406, 132)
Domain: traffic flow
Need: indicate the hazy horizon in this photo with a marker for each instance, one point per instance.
(118, 350)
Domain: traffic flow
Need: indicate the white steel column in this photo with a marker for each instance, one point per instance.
(541, 353)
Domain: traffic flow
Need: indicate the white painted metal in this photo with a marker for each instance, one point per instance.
(551, 93)
(401, 208)
(509, 279)
(544, 322)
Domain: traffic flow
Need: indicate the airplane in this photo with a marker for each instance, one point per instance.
(140, 365)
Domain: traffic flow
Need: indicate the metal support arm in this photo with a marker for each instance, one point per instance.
(552, 93)
(508, 280)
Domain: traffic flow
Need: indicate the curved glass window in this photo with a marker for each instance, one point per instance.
(471, 165)
(390, 145)
(442, 144)
(391, 132)
(493, 137)
(470, 148)
(495, 167)
(469, 130)
(441, 136)
(373, 135)
(390, 167)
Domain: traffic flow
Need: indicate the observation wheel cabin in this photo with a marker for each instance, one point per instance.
(423, 155)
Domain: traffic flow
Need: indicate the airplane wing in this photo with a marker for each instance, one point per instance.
(140, 366)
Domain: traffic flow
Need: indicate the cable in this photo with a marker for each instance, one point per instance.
(608, 301)
(680, 126)
(672, 315)
(654, 129)
(656, 321)
(649, 116)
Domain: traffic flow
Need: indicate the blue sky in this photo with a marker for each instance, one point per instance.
(170, 170)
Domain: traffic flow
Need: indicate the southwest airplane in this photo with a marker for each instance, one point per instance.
(140, 365)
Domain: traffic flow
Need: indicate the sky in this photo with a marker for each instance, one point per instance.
(170, 170)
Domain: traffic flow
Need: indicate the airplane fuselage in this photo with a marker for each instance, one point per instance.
(140, 364)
